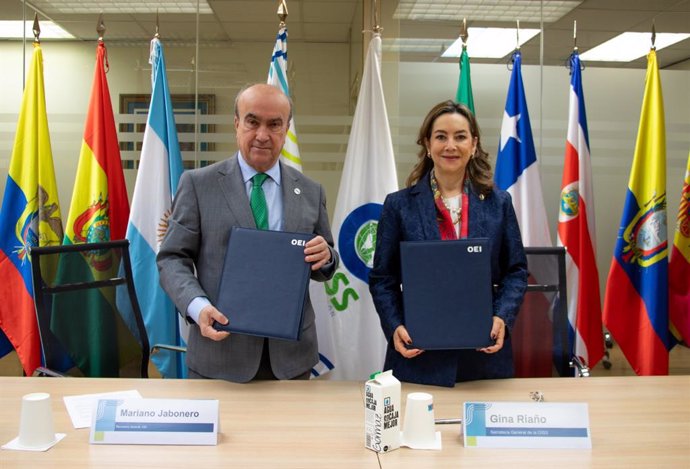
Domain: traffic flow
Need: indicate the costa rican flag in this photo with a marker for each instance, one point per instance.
(576, 229)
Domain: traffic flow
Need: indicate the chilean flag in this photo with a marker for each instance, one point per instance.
(576, 229)
(517, 171)
(517, 168)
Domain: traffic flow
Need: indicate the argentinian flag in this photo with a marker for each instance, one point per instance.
(160, 167)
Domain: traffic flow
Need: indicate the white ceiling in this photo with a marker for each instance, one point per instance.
(331, 21)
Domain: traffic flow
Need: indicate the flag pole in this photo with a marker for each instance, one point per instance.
(377, 14)
(575, 35)
(517, 35)
(157, 35)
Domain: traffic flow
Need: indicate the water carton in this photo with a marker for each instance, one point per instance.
(382, 412)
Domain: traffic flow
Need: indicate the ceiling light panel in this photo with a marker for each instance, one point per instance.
(49, 30)
(490, 43)
(629, 46)
(484, 10)
(121, 6)
(407, 45)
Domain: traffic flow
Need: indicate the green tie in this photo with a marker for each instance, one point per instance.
(257, 201)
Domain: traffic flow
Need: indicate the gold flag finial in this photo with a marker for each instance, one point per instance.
(464, 35)
(282, 12)
(37, 30)
(653, 35)
(100, 27)
(157, 35)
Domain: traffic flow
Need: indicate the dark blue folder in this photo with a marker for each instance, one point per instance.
(447, 293)
(264, 283)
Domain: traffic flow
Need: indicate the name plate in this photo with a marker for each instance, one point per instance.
(526, 425)
(155, 422)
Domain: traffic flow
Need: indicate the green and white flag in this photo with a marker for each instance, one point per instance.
(277, 76)
(351, 343)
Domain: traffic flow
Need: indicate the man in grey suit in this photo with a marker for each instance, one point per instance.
(208, 203)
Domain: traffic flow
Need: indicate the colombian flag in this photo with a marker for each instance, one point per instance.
(636, 303)
(99, 212)
(679, 268)
(30, 216)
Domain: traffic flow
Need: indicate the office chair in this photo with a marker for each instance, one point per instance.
(87, 311)
(541, 342)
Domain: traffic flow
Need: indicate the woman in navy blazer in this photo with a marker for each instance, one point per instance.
(450, 195)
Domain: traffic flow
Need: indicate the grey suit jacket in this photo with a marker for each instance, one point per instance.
(208, 203)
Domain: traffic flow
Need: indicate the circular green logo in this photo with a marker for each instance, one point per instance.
(365, 242)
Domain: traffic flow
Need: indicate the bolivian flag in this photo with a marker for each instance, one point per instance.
(99, 212)
(99, 209)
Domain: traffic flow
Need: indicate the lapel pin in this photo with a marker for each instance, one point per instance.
(297, 191)
(481, 196)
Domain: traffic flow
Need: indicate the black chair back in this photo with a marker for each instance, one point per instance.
(87, 310)
(542, 342)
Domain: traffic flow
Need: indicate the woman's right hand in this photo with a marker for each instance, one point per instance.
(400, 341)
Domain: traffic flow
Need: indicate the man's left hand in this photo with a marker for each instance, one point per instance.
(317, 253)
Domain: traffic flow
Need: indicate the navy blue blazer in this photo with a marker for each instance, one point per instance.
(410, 215)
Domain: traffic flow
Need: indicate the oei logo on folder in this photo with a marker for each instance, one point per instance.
(476, 248)
(298, 242)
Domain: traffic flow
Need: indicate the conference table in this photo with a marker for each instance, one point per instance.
(634, 422)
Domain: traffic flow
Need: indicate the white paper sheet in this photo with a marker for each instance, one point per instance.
(80, 407)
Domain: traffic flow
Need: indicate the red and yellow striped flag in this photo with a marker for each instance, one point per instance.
(679, 268)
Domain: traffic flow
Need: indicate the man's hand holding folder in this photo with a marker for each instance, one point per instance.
(264, 284)
(209, 316)
(317, 253)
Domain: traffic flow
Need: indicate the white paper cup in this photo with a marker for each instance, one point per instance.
(36, 421)
(418, 426)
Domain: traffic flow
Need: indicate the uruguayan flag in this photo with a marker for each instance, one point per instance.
(160, 167)
(277, 76)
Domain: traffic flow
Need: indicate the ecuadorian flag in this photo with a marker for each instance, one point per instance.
(30, 216)
(636, 302)
(99, 212)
